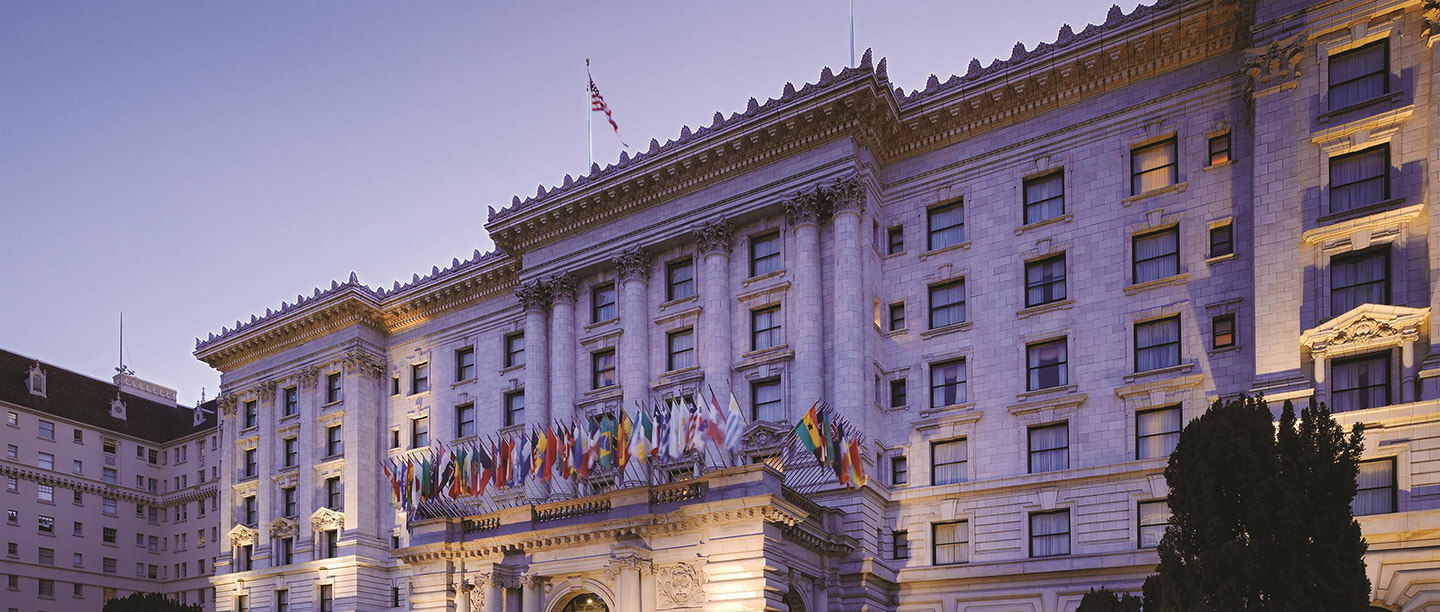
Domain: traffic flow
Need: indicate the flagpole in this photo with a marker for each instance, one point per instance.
(852, 33)
(590, 115)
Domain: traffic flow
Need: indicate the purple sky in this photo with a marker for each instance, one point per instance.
(191, 163)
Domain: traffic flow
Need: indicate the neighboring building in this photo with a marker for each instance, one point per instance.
(110, 488)
(1020, 283)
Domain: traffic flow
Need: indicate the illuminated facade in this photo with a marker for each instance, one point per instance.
(1019, 282)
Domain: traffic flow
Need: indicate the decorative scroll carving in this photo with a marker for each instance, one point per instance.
(805, 208)
(283, 528)
(680, 584)
(762, 436)
(226, 403)
(241, 535)
(1366, 327)
(309, 376)
(714, 236)
(563, 288)
(534, 295)
(846, 196)
(632, 263)
(1274, 64)
(266, 391)
(326, 519)
(361, 362)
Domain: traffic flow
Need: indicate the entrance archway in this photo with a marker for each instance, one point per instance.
(585, 602)
(794, 602)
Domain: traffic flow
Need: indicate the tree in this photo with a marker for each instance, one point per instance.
(148, 602)
(1105, 600)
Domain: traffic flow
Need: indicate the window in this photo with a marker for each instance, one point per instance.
(45, 493)
(899, 470)
(12, 517)
(766, 401)
(1357, 383)
(1360, 179)
(1219, 149)
(895, 240)
(1361, 277)
(897, 316)
(1045, 365)
(515, 350)
(327, 598)
(1157, 432)
(680, 279)
(242, 603)
(950, 542)
(78, 529)
(1049, 448)
(1375, 488)
(765, 328)
(78, 436)
(464, 420)
(948, 461)
(946, 225)
(282, 596)
(764, 254)
(1050, 533)
(13, 549)
(514, 408)
(394, 597)
(1157, 344)
(47, 585)
(602, 303)
(250, 463)
(45, 524)
(1154, 518)
(12, 451)
(108, 565)
(1222, 331)
(334, 494)
(107, 535)
(290, 448)
(1044, 197)
(291, 399)
(681, 348)
(898, 394)
(46, 430)
(77, 466)
(249, 509)
(947, 304)
(334, 443)
(900, 544)
(107, 446)
(420, 432)
(1156, 255)
(108, 475)
(12, 419)
(244, 561)
(602, 369)
(47, 556)
(465, 363)
(395, 385)
(77, 559)
(107, 507)
(330, 543)
(1045, 280)
(287, 550)
(252, 415)
(1153, 166)
(1222, 240)
(47, 461)
(419, 378)
(332, 388)
(1359, 75)
(12, 484)
(287, 501)
(947, 383)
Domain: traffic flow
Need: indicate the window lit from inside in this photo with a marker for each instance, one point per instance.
(1049, 447)
(1157, 432)
(947, 383)
(1157, 344)
(1046, 365)
(1375, 488)
(1156, 255)
(1219, 146)
(948, 461)
(1153, 166)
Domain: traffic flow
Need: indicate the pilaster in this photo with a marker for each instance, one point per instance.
(563, 346)
(535, 300)
(805, 310)
(633, 266)
(716, 356)
(847, 201)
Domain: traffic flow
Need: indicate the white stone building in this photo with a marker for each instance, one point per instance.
(110, 489)
(1019, 282)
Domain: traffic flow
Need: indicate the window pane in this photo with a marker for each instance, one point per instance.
(1359, 179)
(766, 401)
(947, 225)
(1050, 534)
(1047, 365)
(1156, 255)
(1044, 197)
(1376, 486)
(1359, 278)
(1154, 518)
(1157, 432)
(948, 462)
(1153, 167)
(1359, 75)
(947, 383)
(1049, 448)
(1157, 344)
(1045, 281)
(947, 304)
(1360, 383)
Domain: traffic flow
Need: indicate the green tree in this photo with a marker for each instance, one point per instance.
(1105, 600)
(148, 602)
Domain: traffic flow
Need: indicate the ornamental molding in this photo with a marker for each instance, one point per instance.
(534, 295)
(1275, 65)
(805, 209)
(476, 284)
(326, 519)
(363, 362)
(347, 308)
(265, 391)
(714, 236)
(308, 377)
(629, 562)
(226, 403)
(284, 528)
(632, 264)
(1364, 328)
(563, 288)
(680, 585)
(846, 196)
(249, 442)
(241, 535)
(1331, 237)
(763, 437)
(1430, 15)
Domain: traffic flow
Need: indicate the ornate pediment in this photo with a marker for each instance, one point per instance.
(763, 436)
(1366, 327)
(326, 519)
(241, 535)
(284, 528)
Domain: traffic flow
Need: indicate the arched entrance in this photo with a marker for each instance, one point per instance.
(794, 602)
(585, 602)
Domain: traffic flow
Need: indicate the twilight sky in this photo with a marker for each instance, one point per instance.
(191, 163)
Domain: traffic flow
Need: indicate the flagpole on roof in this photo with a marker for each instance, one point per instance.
(590, 116)
(852, 33)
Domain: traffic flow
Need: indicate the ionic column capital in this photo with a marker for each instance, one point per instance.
(563, 287)
(632, 263)
(714, 236)
(534, 295)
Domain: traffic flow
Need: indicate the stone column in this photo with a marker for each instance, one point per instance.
(563, 346)
(265, 497)
(361, 431)
(633, 266)
(716, 353)
(849, 301)
(463, 592)
(627, 582)
(310, 402)
(491, 589)
(820, 594)
(535, 299)
(806, 312)
(532, 593)
(226, 459)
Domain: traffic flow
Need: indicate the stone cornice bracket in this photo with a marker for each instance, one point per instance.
(714, 236)
(534, 581)
(846, 196)
(632, 263)
(266, 391)
(534, 295)
(804, 209)
(563, 287)
(359, 361)
(1364, 328)
(1273, 66)
(226, 403)
(309, 376)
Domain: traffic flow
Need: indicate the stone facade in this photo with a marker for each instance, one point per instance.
(1014, 372)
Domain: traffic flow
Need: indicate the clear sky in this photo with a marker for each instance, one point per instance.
(191, 163)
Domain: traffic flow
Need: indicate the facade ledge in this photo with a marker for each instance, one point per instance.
(694, 297)
(461, 383)
(1145, 389)
(509, 369)
(334, 464)
(963, 246)
(762, 291)
(1375, 218)
(331, 416)
(885, 256)
(603, 394)
(761, 357)
(693, 311)
(680, 376)
(1234, 348)
(292, 427)
(948, 415)
(248, 442)
(1176, 188)
(948, 329)
(1225, 164)
(608, 334)
(1380, 117)
(1026, 396)
(1125, 471)
(1210, 261)
(1175, 369)
(1065, 218)
(1169, 281)
(599, 324)
(895, 332)
(1026, 313)
(763, 277)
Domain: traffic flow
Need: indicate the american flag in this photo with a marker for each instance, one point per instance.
(597, 103)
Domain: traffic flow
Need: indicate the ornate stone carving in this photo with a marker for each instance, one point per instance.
(1431, 17)
(358, 361)
(805, 208)
(534, 581)
(632, 263)
(563, 287)
(534, 295)
(846, 196)
(226, 403)
(241, 535)
(283, 528)
(629, 562)
(761, 436)
(1366, 327)
(680, 584)
(326, 519)
(266, 391)
(714, 236)
(309, 376)
(1274, 64)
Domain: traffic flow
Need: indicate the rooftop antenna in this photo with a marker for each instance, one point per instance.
(122, 369)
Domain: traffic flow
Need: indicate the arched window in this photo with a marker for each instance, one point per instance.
(586, 602)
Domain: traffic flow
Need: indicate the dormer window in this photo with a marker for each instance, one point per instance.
(36, 380)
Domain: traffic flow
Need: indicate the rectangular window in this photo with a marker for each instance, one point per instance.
(334, 494)
(1157, 344)
(1360, 179)
(1375, 488)
(47, 585)
(766, 400)
(242, 603)
(764, 254)
(47, 556)
(1222, 331)
(1357, 383)
(292, 401)
(515, 350)
(895, 240)
(680, 346)
(244, 562)
(514, 408)
(1156, 255)
(1154, 518)
(1157, 432)
(47, 461)
(46, 430)
(290, 447)
(108, 445)
(252, 414)
(680, 279)
(951, 541)
(332, 388)
(1222, 240)
(282, 596)
(948, 460)
(77, 466)
(946, 225)
(947, 383)
(898, 393)
(765, 328)
(327, 598)
(1046, 365)
(465, 363)
(251, 464)
(419, 378)
(78, 529)
(900, 544)
(45, 493)
(1359, 277)
(287, 501)
(1049, 448)
(1219, 149)
(899, 470)
(107, 535)
(897, 316)
(947, 304)
(1045, 280)
(108, 564)
(464, 420)
(1044, 197)
(107, 507)
(1359, 75)
(1050, 533)
(395, 385)
(250, 511)
(330, 543)
(1153, 166)
(45, 524)
(12, 451)
(602, 369)
(602, 303)
(420, 432)
(334, 442)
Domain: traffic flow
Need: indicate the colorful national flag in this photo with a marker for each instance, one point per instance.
(857, 467)
(734, 425)
(487, 468)
(642, 440)
(662, 430)
(597, 104)
(622, 439)
(807, 431)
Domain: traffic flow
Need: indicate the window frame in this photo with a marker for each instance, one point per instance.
(757, 260)
(963, 545)
(420, 431)
(465, 415)
(1394, 486)
(962, 384)
(1030, 450)
(1135, 259)
(774, 333)
(463, 354)
(671, 353)
(1331, 187)
(1034, 373)
(1382, 252)
(773, 382)
(1384, 355)
(602, 373)
(1025, 184)
(1047, 285)
(514, 357)
(290, 400)
(1383, 73)
(899, 393)
(1140, 522)
(895, 314)
(956, 284)
(602, 311)
(1179, 342)
(673, 286)
(1174, 165)
(1139, 437)
(334, 441)
(1068, 533)
(932, 232)
(895, 240)
(334, 388)
(1227, 231)
(962, 465)
(899, 470)
(1224, 138)
(897, 537)
(513, 415)
(1227, 319)
(419, 378)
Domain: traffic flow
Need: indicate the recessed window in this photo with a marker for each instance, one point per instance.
(1157, 344)
(464, 420)
(1045, 280)
(290, 448)
(330, 543)
(948, 460)
(107, 535)
(1360, 277)
(107, 445)
(332, 388)
(947, 383)
(602, 303)
(1359, 75)
(1156, 255)
(465, 363)
(764, 254)
(1049, 448)
(897, 316)
(947, 304)
(1219, 146)
(514, 408)
(602, 369)
(46, 461)
(1153, 166)
(291, 398)
(895, 240)
(395, 385)
(287, 501)
(420, 432)
(249, 511)
(1358, 383)
(334, 442)
(45, 493)
(766, 400)
(1154, 519)
(898, 393)
(946, 225)
(327, 597)
(419, 378)
(12, 451)
(1222, 240)
(899, 470)
(282, 596)
(1050, 533)
(680, 279)
(1157, 432)
(1222, 331)
(250, 464)
(394, 437)
(1360, 179)
(680, 349)
(334, 494)
(765, 328)
(46, 430)
(1044, 197)
(515, 350)
(900, 544)
(951, 541)
(1375, 488)
(1046, 365)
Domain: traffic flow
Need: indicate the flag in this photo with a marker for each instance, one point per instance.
(394, 484)
(623, 430)
(538, 449)
(642, 440)
(585, 450)
(662, 430)
(808, 430)
(502, 460)
(857, 467)
(551, 450)
(563, 452)
(597, 104)
(522, 460)
(604, 443)
(734, 425)
(444, 470)
(693, 420)
(457, 488)
(678, 415)
(487, 466)
(714, 420)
